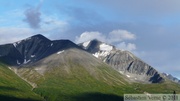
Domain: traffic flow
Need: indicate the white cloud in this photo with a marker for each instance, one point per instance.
(120, 35)
(116, 36)
(129, 46)
(86, 36)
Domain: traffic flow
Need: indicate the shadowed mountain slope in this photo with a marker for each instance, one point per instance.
(31, 50)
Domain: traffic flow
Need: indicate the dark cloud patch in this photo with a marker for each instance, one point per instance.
(33, 16)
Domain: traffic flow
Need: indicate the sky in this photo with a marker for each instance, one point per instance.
(148, 28)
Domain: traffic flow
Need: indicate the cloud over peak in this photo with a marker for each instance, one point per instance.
(117, 37)
(86, 36)
(129, 46)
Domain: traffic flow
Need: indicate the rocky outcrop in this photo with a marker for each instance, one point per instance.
(134, 68)
(124, 62)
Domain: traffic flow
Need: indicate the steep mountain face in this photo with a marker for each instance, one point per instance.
(170, 77)
(123, 61)
(31, 50)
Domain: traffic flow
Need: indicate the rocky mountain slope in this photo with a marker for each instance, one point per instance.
(170, 77)
(123, 61)
(31, 50)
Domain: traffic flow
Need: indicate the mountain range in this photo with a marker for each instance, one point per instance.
(61, 70)
(170, 77)
(123, 61)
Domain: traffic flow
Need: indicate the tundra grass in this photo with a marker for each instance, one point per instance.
(13, 88)
(80, 85)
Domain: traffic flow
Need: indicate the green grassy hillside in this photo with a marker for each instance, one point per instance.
(13, 88)
(79, 85)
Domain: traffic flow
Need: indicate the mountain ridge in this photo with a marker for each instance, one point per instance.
(32, 49)
(123, 61)
(171, 77)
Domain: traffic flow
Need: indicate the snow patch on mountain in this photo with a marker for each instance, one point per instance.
(166, 74)
(101, 54)
(26, 61)
(85, 44)
(16, 43)
(18, 62)
(60, 52)
(128, 76)
(33, 56)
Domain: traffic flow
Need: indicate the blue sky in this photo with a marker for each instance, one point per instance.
(148, 28)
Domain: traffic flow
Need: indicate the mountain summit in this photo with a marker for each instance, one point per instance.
(31, 50)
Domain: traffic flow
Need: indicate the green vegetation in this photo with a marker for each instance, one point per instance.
(13, 88)
(78, 84)
(167, 87)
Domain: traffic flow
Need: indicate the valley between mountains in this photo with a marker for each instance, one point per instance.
(39, 69)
